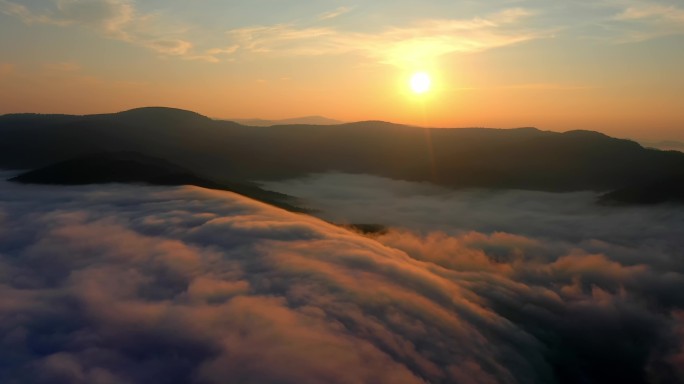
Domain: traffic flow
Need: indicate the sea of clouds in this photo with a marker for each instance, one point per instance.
(138, 284)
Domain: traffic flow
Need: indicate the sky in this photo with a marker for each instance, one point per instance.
(607, 65)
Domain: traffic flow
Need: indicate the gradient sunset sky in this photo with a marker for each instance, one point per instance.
(616, 66)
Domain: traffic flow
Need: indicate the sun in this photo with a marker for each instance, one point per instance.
(420, 82)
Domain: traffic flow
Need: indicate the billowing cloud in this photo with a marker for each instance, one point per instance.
(132, 284)
(595, 285)
(188, 285)
(569, 217)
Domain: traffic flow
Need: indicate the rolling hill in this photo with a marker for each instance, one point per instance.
(525, 158)
(307, 120)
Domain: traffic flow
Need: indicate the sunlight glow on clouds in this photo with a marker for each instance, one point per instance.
(110, 15)
(335, 13)
(422, 39)
(652, 11)
(115, 283)
(408, 46)
(117, 19)
(650, 20)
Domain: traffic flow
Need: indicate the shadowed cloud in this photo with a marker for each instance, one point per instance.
(174, 285)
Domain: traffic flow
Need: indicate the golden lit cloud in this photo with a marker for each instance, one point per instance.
(335, 13)
(109, 15)
(171, 46)
(651, 11)
(223, 51)
(239, 291)
(400, 46)
(637, 21)
(116, 19)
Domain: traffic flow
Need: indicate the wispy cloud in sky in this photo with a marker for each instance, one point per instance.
(116, 19)
(335, 13)
(108, 15)
(643, 21)
(424, 38)
(412, 45)
(652, 12)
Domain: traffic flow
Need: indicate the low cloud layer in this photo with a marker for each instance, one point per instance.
(572, 217)
(130, 284)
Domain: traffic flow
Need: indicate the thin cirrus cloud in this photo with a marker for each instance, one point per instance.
(401, 46)
(335, 13)
(653, 12)
(630, 21)
(422, 39)
(107, 15)
(647, 21)
(116, 19)
(427, 39)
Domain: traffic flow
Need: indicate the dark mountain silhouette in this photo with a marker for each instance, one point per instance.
(307, 120)
(665, 145)
(524, 158)
(669, 190)
(130, 167)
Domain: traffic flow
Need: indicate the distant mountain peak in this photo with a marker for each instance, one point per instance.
(160, 112)
(304, 120)
(585, 134)
(376, 123)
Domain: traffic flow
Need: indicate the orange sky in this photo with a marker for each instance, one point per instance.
(613, 66)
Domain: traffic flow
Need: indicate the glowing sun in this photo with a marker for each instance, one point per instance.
(420, 82)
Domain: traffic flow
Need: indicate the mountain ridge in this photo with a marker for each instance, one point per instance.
(132, 167)
(523, 158)
(307, 120)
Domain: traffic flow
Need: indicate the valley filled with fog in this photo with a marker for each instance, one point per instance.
(123, 283)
